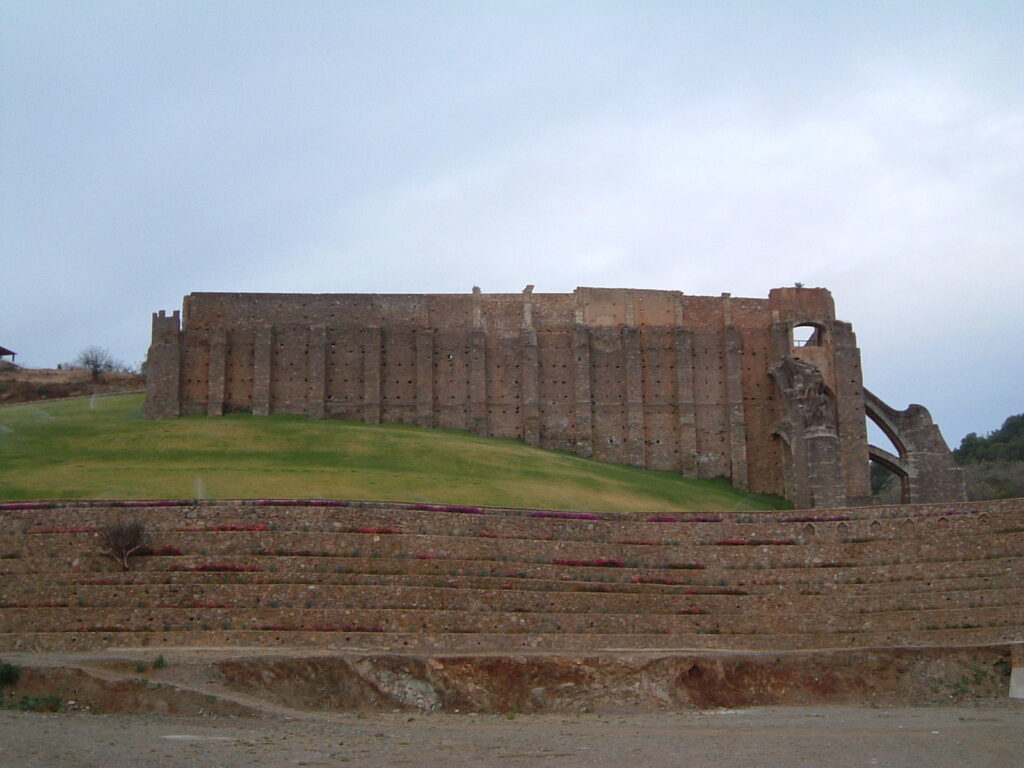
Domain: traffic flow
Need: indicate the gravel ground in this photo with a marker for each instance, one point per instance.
(989, 734)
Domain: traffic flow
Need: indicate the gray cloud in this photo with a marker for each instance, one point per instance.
(876, 149)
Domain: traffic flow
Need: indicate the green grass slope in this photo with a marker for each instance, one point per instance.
(102, 448)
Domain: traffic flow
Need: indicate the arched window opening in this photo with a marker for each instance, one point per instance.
(808, 335)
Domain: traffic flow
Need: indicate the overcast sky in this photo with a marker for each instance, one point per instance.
(874, 148)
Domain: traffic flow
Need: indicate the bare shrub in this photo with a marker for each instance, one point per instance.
(99, 361)
(96, 360)
(122, 539)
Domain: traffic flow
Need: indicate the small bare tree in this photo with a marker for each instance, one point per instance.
(97, 361)
(122, 539)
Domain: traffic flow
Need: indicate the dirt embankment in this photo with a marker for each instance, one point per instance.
(207, 682)
(26, 385)
(535, 684)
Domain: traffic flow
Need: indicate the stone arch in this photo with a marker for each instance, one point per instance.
(876, 410)
(924, 465)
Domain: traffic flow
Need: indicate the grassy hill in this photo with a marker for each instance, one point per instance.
(102, 448)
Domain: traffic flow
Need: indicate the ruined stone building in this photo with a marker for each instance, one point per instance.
(764, 392)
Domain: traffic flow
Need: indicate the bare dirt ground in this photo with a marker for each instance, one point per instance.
(988, 734)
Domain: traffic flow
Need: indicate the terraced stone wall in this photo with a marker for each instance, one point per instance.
(374, 576)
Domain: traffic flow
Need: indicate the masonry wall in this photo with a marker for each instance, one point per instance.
(654, 379)
(399, 576)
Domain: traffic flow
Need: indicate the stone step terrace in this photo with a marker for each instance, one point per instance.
(398, 576)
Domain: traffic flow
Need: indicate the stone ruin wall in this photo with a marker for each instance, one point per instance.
(654, 379)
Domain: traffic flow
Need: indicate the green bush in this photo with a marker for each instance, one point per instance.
(1004, 444)
(40, 704)
(9, 673)
(994, 480)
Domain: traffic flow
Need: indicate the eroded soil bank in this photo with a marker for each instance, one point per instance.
(237, 682)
